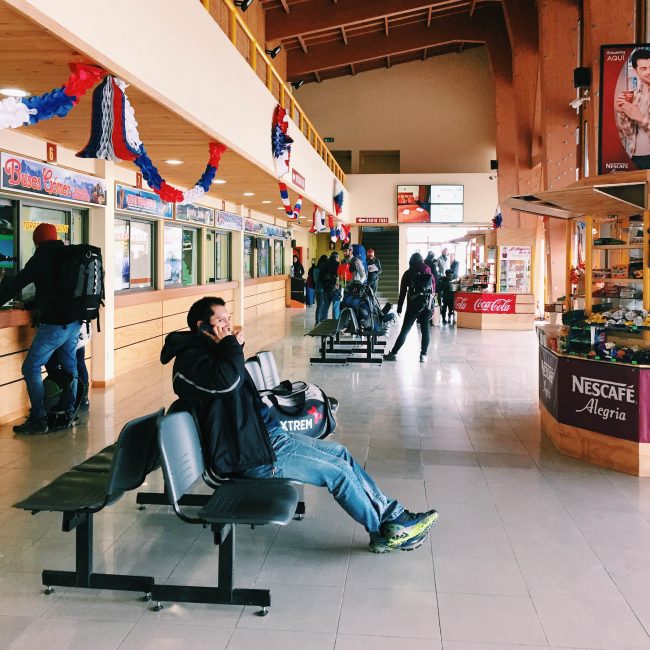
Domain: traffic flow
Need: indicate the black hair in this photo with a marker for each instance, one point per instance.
(201, 310)
(449, 273)
(641, 53)
(322, 259)
(415, 260)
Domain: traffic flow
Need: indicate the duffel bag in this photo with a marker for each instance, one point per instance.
(302, 408)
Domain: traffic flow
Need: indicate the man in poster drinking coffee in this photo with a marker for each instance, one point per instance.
(633, 112)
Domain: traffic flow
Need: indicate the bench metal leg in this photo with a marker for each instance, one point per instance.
(83, 576)
(223, 593)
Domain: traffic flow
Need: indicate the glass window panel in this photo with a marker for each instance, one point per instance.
(172, 256)
(121, 262)
(248, 256)
(278, 257)
(210, 256)
(8, 244)
(31, 216)
(140, 255)
(263, 261)
(223, 256)
(190, 257)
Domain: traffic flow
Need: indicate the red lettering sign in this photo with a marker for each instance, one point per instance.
(15, 178)
(485, 303)
(298, 179)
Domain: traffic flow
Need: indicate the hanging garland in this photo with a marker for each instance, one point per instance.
(497, 219)
(114, 130)
(20, 111)
(338, 197)
(318, 221)
(281, 143)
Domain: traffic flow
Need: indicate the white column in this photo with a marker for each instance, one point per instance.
(102, 234)
(238, 274)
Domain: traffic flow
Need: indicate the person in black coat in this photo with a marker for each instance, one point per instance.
(297, 269)
(240, 437)
(55, 328)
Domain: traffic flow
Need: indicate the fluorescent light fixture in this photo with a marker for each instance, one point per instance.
(173, 161)
(13, 92)
(249, 194)
(266, 201)
(219, 181)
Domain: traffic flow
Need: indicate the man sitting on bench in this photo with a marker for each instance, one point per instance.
(241, 438)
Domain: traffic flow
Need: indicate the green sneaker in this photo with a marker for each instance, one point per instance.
(408, 526)
(380, 545)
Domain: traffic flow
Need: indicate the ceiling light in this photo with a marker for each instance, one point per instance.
(13, 92)
(297, 84)
(219, 181)
(173, 161)
(274, 52)
(243, 4)
(266, 201)
(249, 194)
(281, 208)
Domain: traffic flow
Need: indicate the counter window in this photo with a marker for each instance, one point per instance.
(263, 258)
(180, 256)
(249, 246)
(278, 257)
(133, 263)
(8, 243)
(217, 255)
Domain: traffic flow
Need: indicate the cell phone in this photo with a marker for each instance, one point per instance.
(206, 327)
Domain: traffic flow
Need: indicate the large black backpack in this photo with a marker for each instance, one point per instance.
(420, 295)
(82, 282)
(328, 274)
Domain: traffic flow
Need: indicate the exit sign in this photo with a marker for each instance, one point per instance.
(328, 139)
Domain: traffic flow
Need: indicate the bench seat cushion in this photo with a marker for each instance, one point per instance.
(100, 462)
(325, 328)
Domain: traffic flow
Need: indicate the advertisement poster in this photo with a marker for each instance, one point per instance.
(602, 397)
(195, 213)
(229, 220)
(173, 251)
(130, 199)
(548, 380)
(32, 177)
(413, 203)
(624, 135)
(485, 303)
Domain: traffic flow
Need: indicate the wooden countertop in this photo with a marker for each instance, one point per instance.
(14, 317)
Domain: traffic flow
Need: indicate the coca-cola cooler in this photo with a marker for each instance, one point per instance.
(507, 311)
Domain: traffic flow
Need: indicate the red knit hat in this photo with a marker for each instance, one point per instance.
(370, 252)
(44, 232)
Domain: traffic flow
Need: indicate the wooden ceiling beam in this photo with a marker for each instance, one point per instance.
(317, 77)
(472, 7)
(429, 15)
(344, 35)
(352, 69)
(377, 45)
(319, 15)
(301, 40)
(285, 6)
(386, 25)
(388, 62)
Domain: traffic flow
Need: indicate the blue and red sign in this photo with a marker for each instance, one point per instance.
(21, 174)
(139, 201)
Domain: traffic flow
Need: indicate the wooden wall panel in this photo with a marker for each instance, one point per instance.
(137, 313)
(10, 367)
(15, 339)
(137, 355)
(138, 332)
(173, 323)
(14, 401)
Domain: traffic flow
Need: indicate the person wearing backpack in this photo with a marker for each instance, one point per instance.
(328, 280)
(57, 328)
(355, 262)
(417, 286)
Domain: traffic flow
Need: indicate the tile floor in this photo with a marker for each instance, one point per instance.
(532, 550)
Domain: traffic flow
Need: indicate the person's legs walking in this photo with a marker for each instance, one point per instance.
(409, 319)
(423, 319)
(319, 303)
(68, 357)
(325, 305)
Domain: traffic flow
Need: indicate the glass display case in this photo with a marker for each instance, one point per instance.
(514, 274)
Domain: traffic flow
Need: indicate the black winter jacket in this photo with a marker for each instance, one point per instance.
(212, 383)
(44, 270)
(405, 285)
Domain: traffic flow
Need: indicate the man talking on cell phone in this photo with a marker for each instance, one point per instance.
(241, 438)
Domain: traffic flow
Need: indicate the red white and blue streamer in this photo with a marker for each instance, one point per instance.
(318, 221)
(24, 111)
(497, 219)
(281, 143)
(338, 197)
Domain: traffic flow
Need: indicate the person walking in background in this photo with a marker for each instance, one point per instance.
(374, 270)
(318, 287)
(446, 290)
(297, 269)
(443, 263)
(453, 266)
(417, 286)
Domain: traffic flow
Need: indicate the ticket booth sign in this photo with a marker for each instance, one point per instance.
(485, 303)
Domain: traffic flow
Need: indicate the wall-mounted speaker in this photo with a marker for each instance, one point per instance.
(494, 165)
(293, 243)
(581, 77)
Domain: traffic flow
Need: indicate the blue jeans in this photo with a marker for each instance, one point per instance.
(330, 465)
(326, 301)
(48, 339)
(319, 302)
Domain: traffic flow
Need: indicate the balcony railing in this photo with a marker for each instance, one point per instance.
(226, 15)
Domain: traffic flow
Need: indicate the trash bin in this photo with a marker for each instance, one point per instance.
(298, 289)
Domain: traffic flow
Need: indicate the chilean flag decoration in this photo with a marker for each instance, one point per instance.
(338, 197)
(281, 143)
(497, 219)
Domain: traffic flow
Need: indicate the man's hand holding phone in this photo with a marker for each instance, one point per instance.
(218, 332)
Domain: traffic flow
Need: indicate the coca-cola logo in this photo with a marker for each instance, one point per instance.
(485, 305)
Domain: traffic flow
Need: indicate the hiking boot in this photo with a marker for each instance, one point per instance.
(32, 427)
(85, 404)
(380, 545)
(423, 358)
(408, 526)
(390, 357)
